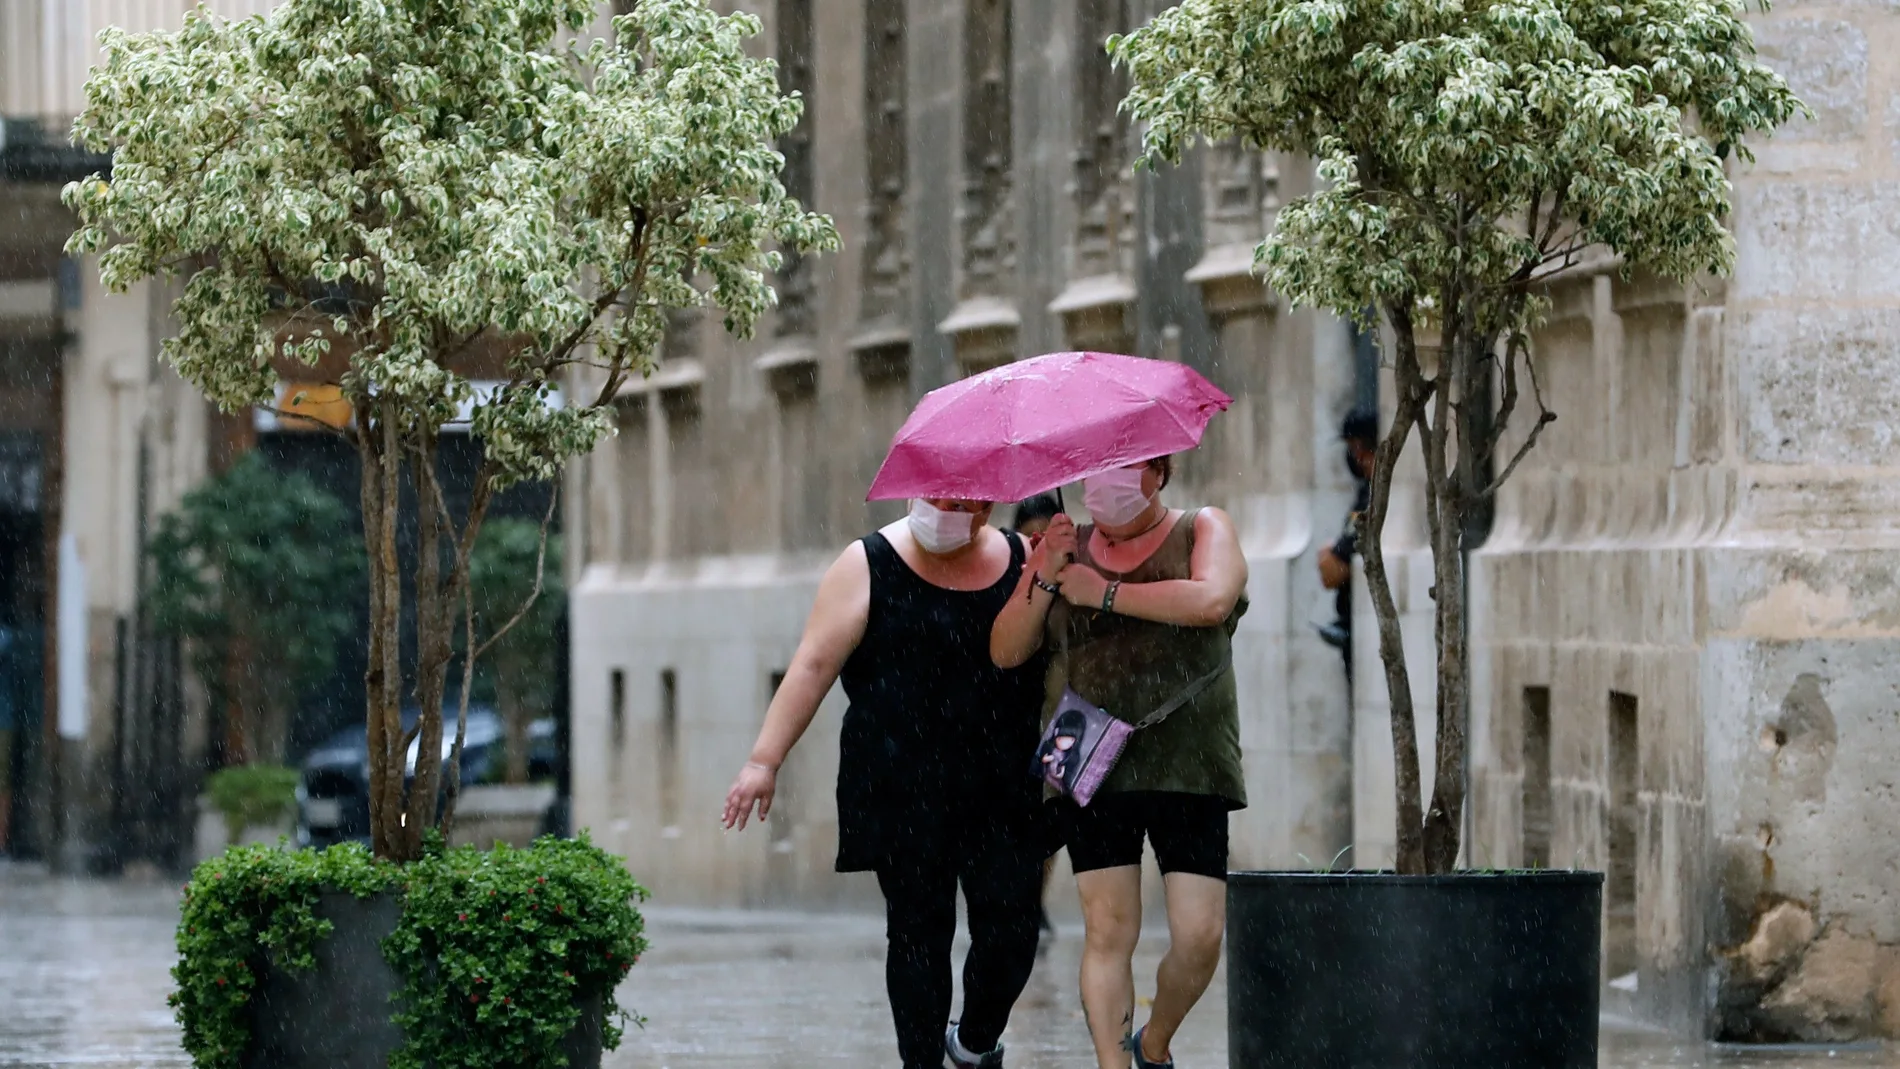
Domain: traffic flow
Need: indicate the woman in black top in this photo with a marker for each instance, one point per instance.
(934, 787)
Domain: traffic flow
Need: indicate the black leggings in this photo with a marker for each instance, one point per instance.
(1003, 889)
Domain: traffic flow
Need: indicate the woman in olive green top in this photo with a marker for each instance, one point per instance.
(1139, 608)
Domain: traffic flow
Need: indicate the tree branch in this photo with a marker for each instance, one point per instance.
(540, 567)
(1544, 417)
(454, 790)
(637, 252)
(1554, 218)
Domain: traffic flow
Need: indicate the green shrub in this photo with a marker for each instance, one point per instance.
(504, 945)
(251, 796)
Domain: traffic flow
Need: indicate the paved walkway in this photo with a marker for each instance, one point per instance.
(84, 973)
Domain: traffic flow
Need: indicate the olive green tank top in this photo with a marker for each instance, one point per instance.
(1132, 667)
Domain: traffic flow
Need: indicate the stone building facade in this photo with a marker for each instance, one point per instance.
(1680, 616)
(1683, 617)
(976, 164)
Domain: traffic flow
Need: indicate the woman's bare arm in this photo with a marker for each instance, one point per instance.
(836, 626)
(1017, 633)
(1218, 572)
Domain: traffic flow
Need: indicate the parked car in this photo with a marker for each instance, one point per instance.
(333, 794)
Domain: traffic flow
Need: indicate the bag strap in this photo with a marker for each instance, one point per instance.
(1189, 693)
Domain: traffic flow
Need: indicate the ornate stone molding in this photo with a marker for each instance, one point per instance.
(882, 349)
(1098, 313)
(674, 376)
(1242, 194)
(983, 329)
(881, 344)
(1229, 286)
(983, 326)
(1241, 187)
(790, 367)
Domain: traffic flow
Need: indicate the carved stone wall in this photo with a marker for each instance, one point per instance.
(1682, 626)
(988, 242)
(795, 58)
(950, 143)
(1104, 146)
(886, 266)
(984, 324)
(1243, 193)
(1097, 307)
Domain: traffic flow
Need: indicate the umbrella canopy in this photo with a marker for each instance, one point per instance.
(1034, 425)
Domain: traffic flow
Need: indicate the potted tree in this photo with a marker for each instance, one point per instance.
(243, 575)
(1469, 153)
(389, 191)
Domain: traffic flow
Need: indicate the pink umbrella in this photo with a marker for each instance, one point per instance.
(1031, 426)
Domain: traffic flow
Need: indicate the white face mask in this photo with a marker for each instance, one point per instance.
(1114, 498)
(938, 531)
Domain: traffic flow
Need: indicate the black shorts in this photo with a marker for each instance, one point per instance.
(1189, 831)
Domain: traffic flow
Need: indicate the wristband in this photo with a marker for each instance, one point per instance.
(1108, 596)
(1053, 588)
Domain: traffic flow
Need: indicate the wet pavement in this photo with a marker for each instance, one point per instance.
(84, 973)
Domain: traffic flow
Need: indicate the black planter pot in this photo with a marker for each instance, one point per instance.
(1378, 971)
(336, 1016)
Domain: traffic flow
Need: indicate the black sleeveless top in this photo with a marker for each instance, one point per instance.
(937, 743)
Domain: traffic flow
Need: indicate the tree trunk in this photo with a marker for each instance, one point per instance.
(433, 646)
(382, 681)
(1413, 392)
(1444, 514)
(514, 713)
(238, 738)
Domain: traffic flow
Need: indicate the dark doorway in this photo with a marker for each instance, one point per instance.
(1620, 881)
(22, 638)
(1536, 785)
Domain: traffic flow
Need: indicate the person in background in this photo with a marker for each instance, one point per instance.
(934, 790)
(1032, 519)
(1360, 433)
(1034, 514)
(1141, 606)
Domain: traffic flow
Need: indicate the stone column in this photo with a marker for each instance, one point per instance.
(881, 344)
(983, 325)
(1097, 308)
